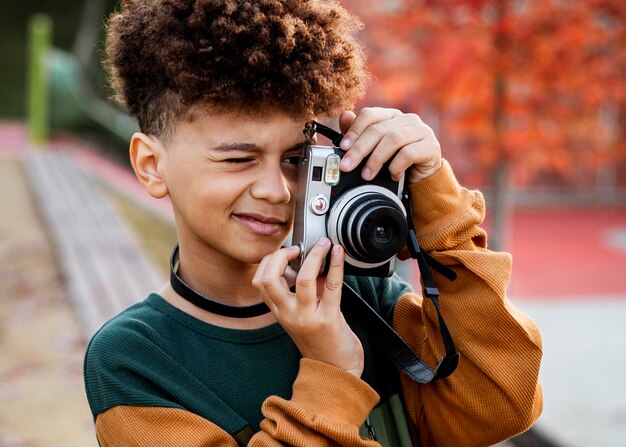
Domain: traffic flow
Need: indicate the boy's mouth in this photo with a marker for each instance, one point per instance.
(261, 224)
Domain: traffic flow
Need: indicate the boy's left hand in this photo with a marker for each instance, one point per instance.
(388, 133)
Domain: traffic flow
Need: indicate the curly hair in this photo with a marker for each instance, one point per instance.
(252, 56)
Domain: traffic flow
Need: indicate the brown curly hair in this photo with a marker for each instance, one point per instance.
(296, 56)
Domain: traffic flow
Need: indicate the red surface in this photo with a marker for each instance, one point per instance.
(568, 253)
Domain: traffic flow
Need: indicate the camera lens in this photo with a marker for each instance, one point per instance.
(372, 227)
(383, 234)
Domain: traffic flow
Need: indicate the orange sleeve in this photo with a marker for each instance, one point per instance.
(494, 394)
(327, 408)
(159, 427)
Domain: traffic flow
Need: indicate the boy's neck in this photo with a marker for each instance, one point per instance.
(221, 281)
(169, 295)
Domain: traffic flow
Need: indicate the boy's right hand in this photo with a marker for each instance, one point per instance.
(311, 316)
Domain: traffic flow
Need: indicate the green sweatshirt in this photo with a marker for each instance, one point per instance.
(155, 355)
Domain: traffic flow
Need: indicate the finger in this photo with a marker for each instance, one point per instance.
(269, 278)
(267, 299)
(306, 281)
(331, 296)
(274, 274)
(256, 282)
(345, 120)
(359, 148)
(393, 140)
(290, 276)
(365, 118)
(279, 266)
(419, 160)
(404, 254)
(256, 279)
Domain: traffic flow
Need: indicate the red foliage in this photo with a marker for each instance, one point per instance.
(539, 84)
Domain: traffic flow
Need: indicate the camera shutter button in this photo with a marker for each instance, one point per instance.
(319, 204)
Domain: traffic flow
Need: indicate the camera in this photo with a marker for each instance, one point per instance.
(367, 218)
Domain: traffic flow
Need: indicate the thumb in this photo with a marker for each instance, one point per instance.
(345, 120)
(331, 295)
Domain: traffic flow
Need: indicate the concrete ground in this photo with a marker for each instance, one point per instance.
(42, 398)
(583, 371)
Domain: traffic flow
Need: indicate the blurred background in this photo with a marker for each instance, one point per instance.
(528, 100)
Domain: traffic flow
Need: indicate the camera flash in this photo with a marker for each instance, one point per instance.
(332, 172)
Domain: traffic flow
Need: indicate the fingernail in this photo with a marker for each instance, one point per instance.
(346, 162)
(336, 250)
(366, 174)
(346, 142)
(295, 248)
(323, 242)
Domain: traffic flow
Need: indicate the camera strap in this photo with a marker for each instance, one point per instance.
(389, 340)
(383, 334)
(203, 302)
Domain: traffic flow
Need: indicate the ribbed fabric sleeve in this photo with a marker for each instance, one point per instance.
(126, 426)
(327, 407)
(494, 394)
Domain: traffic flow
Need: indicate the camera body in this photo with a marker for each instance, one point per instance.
(367, 218)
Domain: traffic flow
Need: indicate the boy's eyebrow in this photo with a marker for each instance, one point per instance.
(250, 147)
(245, 147)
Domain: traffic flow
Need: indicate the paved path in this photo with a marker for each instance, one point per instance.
(42, 397)
(584, 370)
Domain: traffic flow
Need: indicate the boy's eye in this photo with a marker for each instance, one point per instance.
(292, 160)
(239, 160)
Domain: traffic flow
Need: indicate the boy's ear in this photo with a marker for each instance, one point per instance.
(148, 157)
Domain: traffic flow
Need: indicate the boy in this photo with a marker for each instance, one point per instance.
(222, 91)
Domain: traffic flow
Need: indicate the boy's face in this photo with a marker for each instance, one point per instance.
(232, 181)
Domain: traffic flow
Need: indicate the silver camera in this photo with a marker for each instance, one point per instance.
(367, 218)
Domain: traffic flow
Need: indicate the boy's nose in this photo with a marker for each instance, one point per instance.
(272, 185)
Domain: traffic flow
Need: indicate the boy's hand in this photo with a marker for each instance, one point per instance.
(388, 133)
(311, 316)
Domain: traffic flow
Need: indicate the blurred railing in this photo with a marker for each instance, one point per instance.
(58, 91)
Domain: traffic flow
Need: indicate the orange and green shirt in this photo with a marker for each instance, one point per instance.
(156, 376)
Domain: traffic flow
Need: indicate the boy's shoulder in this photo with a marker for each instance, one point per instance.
(139, 330)
(119, 360)
(136, 319)
(119, 337)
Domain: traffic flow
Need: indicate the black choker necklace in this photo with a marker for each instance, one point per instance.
(208, 304)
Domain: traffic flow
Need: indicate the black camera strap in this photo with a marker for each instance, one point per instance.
(388, 339)
(201, 301)
(382, 333)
